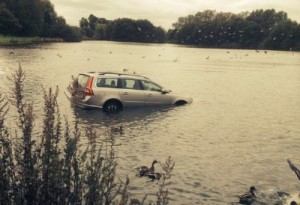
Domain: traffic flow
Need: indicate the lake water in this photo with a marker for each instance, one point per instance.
(243, 124)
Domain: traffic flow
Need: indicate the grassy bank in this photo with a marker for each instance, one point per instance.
(13, 40)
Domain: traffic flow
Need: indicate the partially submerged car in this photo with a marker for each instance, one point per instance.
(112, 91)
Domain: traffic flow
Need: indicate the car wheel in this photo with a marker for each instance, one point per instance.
(112, 106)
(180, 102)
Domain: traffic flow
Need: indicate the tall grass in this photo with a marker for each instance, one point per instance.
(53, 167)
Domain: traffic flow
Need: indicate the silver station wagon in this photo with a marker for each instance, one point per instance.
(114, 91)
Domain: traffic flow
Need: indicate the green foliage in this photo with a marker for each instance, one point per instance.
(71, 34)
(9, 24)
(100, 31)
(35, 18)
(259, 29)
(30, 16)
(122, 29)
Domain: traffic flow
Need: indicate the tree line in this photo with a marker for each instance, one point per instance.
(266, 29)
(259, 29)
(35, 18)
(121, 29)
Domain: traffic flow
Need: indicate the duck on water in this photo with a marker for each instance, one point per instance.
(249, 197)
(145, 171)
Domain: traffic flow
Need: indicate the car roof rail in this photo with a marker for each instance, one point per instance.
(119, 74)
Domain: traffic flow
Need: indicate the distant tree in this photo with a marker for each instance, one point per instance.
(267, 18)
(71, 34)
(122, 30)
(160, 35)
(85, 28)
(170, 36)
(83, 23)
(34, 18)
(88, 32)
(144, 31)
(258, 29)
(100, 32)
(50, 18)
(93, 21)
(9, 24)
(30, 14)
(285, 35)
(56, 29)
(68, 33)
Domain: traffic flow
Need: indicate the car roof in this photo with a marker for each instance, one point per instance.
(114, 74)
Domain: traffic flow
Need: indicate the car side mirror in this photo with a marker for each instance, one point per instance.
(165, 91)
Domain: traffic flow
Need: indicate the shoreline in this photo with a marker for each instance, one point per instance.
(23, 41)
(16, 41)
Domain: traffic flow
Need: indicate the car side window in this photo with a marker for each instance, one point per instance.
(147, 85)
(107, 82)
(130, 84)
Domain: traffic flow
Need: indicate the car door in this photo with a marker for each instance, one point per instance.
(154, 95)
(131, 92)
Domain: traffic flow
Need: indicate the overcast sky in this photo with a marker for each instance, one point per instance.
(164, 12)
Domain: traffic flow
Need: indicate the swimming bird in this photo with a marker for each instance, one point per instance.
(294, 168)
(145, 171)
(248, 198)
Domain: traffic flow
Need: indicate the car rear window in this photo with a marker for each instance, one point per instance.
(83, 80)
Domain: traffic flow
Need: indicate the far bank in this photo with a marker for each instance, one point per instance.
(13, 40)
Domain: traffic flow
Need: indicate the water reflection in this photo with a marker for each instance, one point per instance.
(128, 117)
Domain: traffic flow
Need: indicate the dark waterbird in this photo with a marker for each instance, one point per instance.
(249, 197)
(145, 171)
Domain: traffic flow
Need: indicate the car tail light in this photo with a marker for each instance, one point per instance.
(88, 90)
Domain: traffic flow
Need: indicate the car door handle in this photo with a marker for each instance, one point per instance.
(125, 93)
(149, 95)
